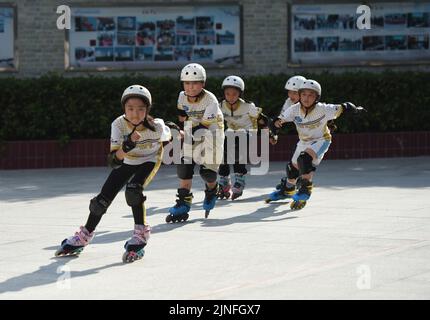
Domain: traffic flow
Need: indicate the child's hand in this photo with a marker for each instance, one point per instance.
(278, 123)
(273, 140)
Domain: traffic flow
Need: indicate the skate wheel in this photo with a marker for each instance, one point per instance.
(235, 196)
(129, 257)
(64, 253)
(268, 200)
(168, 218)
(185, 217)
(297, 205)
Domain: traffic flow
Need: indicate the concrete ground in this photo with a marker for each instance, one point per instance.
(365, 234)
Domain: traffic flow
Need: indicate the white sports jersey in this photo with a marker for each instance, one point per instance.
(312, 125)
(148, 147)
(244, 117)
(204, 111)
(288, 103)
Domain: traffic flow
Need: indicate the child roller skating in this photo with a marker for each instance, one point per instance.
(135, 157)
(310, 117)
(240, 116)
(200, 108)
(286, 188)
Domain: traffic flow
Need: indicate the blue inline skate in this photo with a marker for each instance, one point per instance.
(179, 212)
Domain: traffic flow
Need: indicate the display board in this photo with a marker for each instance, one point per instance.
(148, 37)
(328, 34)
(7, 39)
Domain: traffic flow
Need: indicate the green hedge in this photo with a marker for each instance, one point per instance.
(54, 107)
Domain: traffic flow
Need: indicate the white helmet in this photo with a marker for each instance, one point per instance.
(312, 85)
(234, 81)
(137, 91)
(193, 72)
(294, 83)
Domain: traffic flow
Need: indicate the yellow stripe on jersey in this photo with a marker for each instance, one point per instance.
(339, 112)
(327, 134)
(156, 167)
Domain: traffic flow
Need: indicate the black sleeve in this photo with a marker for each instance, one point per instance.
(269, 123)
(113, 161)
(181, 113)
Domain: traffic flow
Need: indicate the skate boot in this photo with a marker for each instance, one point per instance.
(302, 195)
(179, 212)
(75, 244)
(134, 248)
(210, 199)
(238, 186)
(284, 190)
(224, 188)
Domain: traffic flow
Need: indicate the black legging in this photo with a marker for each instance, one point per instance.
(115, 182)
(224, 168)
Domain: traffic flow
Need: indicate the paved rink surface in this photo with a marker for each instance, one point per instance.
(365, 234)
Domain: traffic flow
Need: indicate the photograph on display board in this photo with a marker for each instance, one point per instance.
(204, 23)
(373, 43)
(397, 42)
(305, 45)
(202, 54)
(350, 44)
(145, 38)
(166, 33)
(187, 40)
(418, 42)
(395, 20)
(105, 24)
(126, 23)
(166, 39)
(328, 44)
(185, 24)
(124, 53)
(85, 54)
(105, 39)
(85, 24)
(418, 20)
(206, 38)
(126, 38)
(347, 22)
(183, 53)
(225, 39)
(304, 22)
(330, 21)
(164, 53)
(104, 54)
(377, 21)
(146, 33)
(144, 53)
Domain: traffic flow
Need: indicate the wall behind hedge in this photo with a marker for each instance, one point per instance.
(54, 107)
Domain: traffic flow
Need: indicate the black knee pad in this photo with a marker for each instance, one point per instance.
(207, 175)
(185, 171)
(292, 172)
(224, 170)
(134, 195)
(99, 205)
(305, 163)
